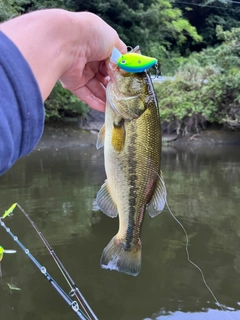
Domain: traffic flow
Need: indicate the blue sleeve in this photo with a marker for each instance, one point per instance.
(21, 105)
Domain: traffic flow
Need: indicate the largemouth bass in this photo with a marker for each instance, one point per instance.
(131, 137)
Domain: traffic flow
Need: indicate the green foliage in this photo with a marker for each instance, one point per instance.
(154, 25)
(205, 15)
(43, 4)
(147, 23)
(62, 103)
(11, 8)
(205, 87)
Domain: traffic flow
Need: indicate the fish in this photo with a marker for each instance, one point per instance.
(131, 136)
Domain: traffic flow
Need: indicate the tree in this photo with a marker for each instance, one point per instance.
(153, 24)
(147, 23)
(205, 88)
(205, 15)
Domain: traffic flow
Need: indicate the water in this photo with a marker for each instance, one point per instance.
(57, 188)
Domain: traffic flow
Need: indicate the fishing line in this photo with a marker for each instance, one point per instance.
(187, 239)
(194, 264)
(51, 251)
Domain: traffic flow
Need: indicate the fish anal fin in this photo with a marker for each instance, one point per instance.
(157, 203)
(115, 257)
(101, 138)
(105, 201)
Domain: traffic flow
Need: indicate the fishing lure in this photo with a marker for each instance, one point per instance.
(131, 61)
(2, 251)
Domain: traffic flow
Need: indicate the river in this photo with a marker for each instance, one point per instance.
(57, 188)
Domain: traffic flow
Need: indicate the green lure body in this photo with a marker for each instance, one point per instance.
(131, 61)
(134, 62)
(1, 253)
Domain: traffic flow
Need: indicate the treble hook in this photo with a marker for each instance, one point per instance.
(158, 73)
(129, 48)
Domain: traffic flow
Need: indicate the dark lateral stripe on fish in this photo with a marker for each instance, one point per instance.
(132, 165)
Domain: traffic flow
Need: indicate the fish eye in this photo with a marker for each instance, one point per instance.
(139, 61)
(123, 61)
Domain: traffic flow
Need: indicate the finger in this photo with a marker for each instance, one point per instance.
(103, 68)
(104, 79)
(121, 46)
(87, 96)
(97, 88)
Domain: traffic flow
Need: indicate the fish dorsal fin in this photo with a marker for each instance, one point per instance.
(101, 138)
(157, 203)
(105, 202)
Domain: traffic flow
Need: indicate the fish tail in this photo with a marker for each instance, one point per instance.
(115, 256)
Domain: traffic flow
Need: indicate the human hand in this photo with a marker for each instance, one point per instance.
(66, 46)
(87, 77)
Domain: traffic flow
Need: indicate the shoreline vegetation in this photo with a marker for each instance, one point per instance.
(197, 45)
(203, 91)
(72, 135)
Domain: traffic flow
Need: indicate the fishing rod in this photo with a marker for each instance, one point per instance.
(88, 315)
(74, 289)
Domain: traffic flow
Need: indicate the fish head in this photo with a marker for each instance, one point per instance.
(126, 91)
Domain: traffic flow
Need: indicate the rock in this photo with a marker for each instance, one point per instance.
(93, 122)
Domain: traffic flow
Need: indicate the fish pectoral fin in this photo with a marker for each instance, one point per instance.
(105, 202)
(157, 203)
(101, 138)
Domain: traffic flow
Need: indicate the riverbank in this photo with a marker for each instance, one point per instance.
(70, 134)
(62, 135)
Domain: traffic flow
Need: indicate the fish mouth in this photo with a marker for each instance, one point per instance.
(112, 68)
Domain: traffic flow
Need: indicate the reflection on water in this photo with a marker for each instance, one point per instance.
(208, 314)
(57, 188)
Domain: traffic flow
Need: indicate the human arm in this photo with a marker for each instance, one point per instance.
(21, 106)
(56, 45)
